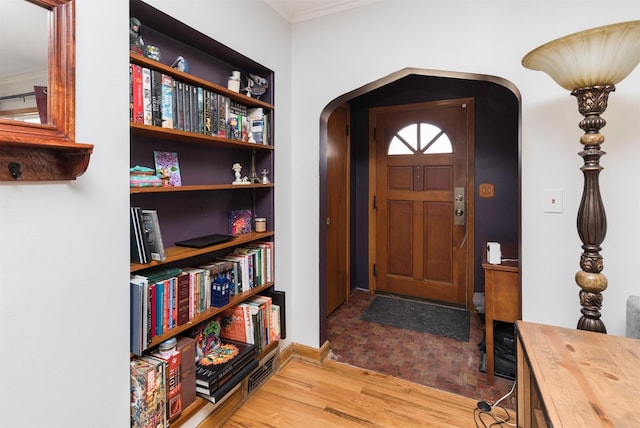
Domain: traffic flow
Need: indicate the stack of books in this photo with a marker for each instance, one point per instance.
(224, 368)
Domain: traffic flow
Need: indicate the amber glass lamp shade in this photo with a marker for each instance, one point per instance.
(595, 57)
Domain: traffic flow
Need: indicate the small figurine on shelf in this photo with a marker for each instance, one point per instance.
(237, 168)
(152, 52)
(135, 39)
(165, 176)
(239, 179)
(256, 86)
(265, 178)
(181, 64)
(233, 82)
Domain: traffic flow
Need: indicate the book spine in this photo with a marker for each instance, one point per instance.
(138, 106)
(183, 299)
(248, 323)
(223, 116)
(179, 123)
(156, 97)
(131, 66)
(187, 107)
(215, 123)
(153, 311)
(146, 96)
(167, 101)
(200, 103)
(193, 109)
(206, 112)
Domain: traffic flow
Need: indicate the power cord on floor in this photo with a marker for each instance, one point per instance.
(488, 411)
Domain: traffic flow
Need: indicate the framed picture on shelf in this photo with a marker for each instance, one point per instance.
(168, 168)
(239, 222)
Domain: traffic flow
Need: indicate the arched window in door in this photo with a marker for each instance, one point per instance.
(420, 138)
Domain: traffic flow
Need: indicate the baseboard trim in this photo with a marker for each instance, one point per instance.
(306, 353)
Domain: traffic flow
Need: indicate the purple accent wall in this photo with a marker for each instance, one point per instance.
(496, 160)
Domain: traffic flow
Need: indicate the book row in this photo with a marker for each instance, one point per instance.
(205, 361)
(158, 99)
(171, 297)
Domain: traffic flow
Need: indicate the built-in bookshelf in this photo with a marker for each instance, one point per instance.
(207, 194)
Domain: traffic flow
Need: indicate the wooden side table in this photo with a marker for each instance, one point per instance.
(502, 296)
(575, 378)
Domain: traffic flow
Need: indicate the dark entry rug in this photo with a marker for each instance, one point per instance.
(419, 316)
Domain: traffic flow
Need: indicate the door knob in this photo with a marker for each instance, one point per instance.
(459, 212)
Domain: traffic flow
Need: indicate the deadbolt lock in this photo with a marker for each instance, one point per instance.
(458, 206)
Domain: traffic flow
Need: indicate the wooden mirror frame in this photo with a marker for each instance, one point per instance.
(38, 152)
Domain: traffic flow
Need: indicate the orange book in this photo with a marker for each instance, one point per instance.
(233, 323)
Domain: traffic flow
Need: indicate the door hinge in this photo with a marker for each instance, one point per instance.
(374, 269)
(375, 202)
(374, 133)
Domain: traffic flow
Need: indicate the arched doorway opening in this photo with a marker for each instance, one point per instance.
(497, 161)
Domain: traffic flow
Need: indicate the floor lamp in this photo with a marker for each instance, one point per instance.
(589, 64)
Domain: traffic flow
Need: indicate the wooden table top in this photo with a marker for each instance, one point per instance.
(585, 379)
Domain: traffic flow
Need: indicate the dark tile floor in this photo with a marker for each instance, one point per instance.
(443, 363)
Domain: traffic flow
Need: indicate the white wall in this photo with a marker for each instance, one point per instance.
(64, 264)
(63, 271)
(339, 53)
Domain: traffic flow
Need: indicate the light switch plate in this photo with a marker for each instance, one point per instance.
(553, 200)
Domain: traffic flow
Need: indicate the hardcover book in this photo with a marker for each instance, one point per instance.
(178, 120)
(207, 337)
(173, 386)
(223, 115)
(255, 119)
(137, 93)
(236, 324)
(215, 395)
(156, 97)
(151, 225)
(166, 107)
(206, 113)
(222, 361)
(146, 96)
(183, 285)
(167, 163)
(239, 222)
(200, 104)
(143, 252)
(237, 121)
(148, 395)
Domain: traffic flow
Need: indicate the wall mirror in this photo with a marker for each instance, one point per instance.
(37, 92)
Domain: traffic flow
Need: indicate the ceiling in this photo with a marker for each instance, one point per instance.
(12, 27)
(301, 10)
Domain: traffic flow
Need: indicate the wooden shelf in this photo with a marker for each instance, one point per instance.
(175, 254)
(39, 161)
(209, 313)
(194, 80)
(197, 188)
(158, 132)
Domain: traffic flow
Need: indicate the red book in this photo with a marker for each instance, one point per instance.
(152, 309)
(137, 94)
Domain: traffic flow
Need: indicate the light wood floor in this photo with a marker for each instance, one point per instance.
(304, 394)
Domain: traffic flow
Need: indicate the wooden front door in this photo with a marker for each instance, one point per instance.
(422, 213)
(337, 208)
